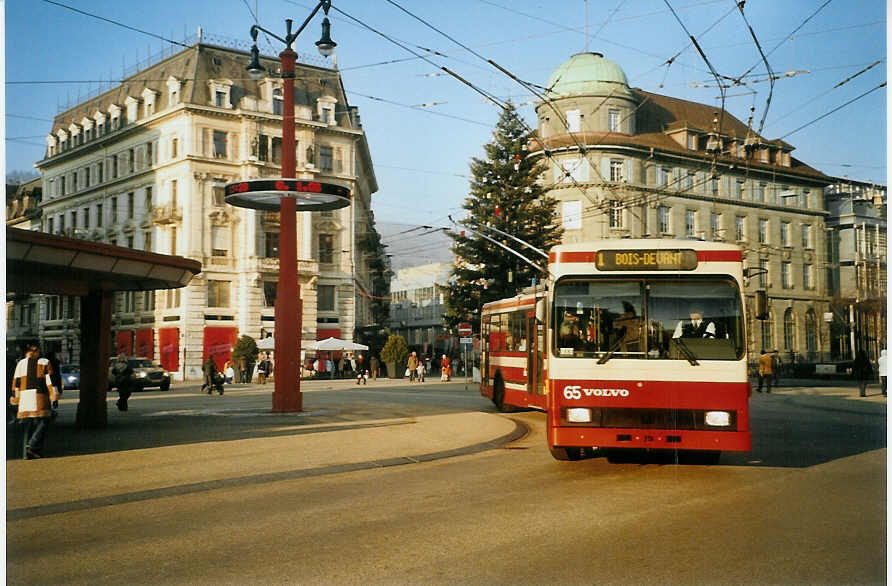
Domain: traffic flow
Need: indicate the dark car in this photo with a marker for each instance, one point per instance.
(146, 374)
(71, 376)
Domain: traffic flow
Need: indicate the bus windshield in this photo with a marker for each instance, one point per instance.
(650, 318)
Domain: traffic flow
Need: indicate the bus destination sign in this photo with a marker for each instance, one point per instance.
(662, 259)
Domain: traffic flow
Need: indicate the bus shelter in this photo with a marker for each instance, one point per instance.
(39, 263)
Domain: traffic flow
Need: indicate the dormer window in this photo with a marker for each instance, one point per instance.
(692, 142)
(325, 109)
(173, 91)
(220, 94)
(132, 106)
(148, 99)
(115, 114)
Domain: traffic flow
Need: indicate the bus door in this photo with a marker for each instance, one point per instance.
(535, 333)
(484, 343)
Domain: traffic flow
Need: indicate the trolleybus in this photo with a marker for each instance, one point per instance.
(628, 344)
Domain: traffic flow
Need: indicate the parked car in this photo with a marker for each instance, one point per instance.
(146, 374)
(71, 376)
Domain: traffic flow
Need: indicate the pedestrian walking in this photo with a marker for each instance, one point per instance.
(34, 395)
(228, 372)
(264, 367)
(881, 368)
(445, 368)
(209, 370)
(775, 364)
(419, 370)
(243, 370)
(863, 371)
(766, 370)
(373, 366)
(411, 367)
(122, 374)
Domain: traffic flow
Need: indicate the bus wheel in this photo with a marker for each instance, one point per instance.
(498, 395)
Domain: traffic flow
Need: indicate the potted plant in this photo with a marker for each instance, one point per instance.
(394, 353)
(244, 355)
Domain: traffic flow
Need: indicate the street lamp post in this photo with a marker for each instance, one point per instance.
(289, 193)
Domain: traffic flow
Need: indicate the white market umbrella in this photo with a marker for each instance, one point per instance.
(267, 344)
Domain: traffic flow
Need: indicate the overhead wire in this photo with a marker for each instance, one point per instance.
(116, 23)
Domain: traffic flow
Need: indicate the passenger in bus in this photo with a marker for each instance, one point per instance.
(696, 327)
(569, 331)
(627, 328)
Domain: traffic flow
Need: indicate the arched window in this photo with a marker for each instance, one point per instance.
(788, 329)
(277, 101)
(811, 334)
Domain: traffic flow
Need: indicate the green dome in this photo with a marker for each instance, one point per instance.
(587, 73)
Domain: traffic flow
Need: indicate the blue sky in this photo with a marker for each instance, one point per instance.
(421, 153)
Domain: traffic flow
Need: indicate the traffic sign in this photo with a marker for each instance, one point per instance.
(464, 329)
(466, 340)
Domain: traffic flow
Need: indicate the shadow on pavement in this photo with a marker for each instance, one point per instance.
(185, 416)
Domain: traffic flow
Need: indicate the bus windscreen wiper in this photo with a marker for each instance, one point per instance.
(612, 350)
(687, 352)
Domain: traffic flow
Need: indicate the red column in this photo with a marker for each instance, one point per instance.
(286, 396)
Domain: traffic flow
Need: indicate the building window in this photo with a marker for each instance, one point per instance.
(808, 277)
(811, 333)
(663, 219)
(114, 166)
(173, 193)
(574, 121)
(325, 158)
(788, 329)
(785, 233)
(277, 101)
(714, 186)
(687, 181)
(85, 217)
(219, 144)
(174, 144)
(218, 293)
(786, 276)
(692, 142)
(130, 241)
(220, 99)
(763, 273)
(616, 170)
(114, 210)
(148, 300)
(269, 293)
(99, 215)
(277, 150)
(173, 298)
(131, 160)
(147, 241)
(99, 172)
(271, 245)
(49, 225)
(173, 240)
(129, 301)
(715, 225)
(690, 217)
(326, 248)
(763, 231)
(148, 200)
(738, 189)
(263, 147)
(219, 194)
(613, 120)
(130, 205)
(664, 176)
(739, 228)
(616, 214)
(325, 298)
(767, 338)
(806, 236)
(760, 192)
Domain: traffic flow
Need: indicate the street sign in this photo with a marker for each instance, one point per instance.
(466, 340)
(464, 329)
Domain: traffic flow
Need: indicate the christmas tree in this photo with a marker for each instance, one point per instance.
(505, 195)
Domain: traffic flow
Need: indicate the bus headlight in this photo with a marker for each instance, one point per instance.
(718, 418)
(579, 415)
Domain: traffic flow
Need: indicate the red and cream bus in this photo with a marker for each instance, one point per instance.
(629, 344)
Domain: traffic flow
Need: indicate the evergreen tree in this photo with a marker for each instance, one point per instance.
(505, 195)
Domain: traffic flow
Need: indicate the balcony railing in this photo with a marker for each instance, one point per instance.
(166, 214)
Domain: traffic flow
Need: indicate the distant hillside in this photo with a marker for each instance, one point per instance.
(411, 247)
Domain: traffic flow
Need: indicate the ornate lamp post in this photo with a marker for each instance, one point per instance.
(286, 195)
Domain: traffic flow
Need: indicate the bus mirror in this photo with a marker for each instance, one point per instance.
(540, 311)
(761, 305)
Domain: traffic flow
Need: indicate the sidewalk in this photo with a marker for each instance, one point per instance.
(214, 442)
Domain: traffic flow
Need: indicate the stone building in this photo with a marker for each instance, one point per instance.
(417, 308)
(626, 163)
(144, 164)
(856, 271)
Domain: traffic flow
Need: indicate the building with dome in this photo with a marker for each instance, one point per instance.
(627, 163)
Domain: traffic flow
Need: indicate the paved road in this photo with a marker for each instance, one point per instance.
(427, 484)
